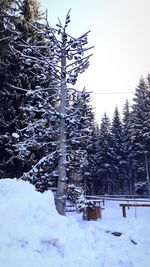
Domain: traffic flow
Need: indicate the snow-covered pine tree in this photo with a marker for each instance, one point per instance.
(80, 131)
(93, 180)
(104, 157)
(140, 131)
(118, 175)
(90, 174)
(126, 129)
(146, 128)
(10, 101)
(37, 144)
(29, 76)
(39, 140)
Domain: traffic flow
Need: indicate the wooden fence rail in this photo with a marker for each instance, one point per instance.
(124, 206)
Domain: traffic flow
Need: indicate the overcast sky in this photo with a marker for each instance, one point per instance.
(120, 32)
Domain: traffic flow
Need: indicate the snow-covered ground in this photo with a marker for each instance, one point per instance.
(32, 234)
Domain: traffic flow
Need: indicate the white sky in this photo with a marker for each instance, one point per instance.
(120, 33)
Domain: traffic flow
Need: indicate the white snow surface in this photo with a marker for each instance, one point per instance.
(33, 234)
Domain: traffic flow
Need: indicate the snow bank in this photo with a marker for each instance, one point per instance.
(33, 234)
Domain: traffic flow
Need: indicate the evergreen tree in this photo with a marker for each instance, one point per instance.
(140, 130)
(9, 99)
(146, 126)
(24, 68)
(95, 185)
(119, 160)
(31, 11)
(104, 154)
(80, 129)
(39, 140)
(90, 174)
(129, 182)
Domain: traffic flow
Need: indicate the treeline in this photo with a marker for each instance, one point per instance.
(110, 158)
(123, 146)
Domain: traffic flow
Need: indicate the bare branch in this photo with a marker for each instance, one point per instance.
(17, 88)
(44, 58)
(33, 91)
(27, 56)
(68, 13)
(55, 39)
(79, 60)
(5, 38)
(60, 22)
(85, 34)
(80, 50)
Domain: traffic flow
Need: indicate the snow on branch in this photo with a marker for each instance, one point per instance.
(34, 169)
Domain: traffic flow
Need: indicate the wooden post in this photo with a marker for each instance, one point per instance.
(147, 173)
(124, 211)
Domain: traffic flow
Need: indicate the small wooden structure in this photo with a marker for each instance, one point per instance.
(92, 211)
(127, 205)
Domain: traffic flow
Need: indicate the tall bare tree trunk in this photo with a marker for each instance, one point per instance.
(61, 190)
(68, 48)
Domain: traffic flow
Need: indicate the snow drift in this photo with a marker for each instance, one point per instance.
(33, 234)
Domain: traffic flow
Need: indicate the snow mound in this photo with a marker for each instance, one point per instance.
(27, 227)
(32, 233)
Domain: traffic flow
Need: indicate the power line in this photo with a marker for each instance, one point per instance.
(111, 93)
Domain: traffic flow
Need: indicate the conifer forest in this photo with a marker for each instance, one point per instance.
(48, 133)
